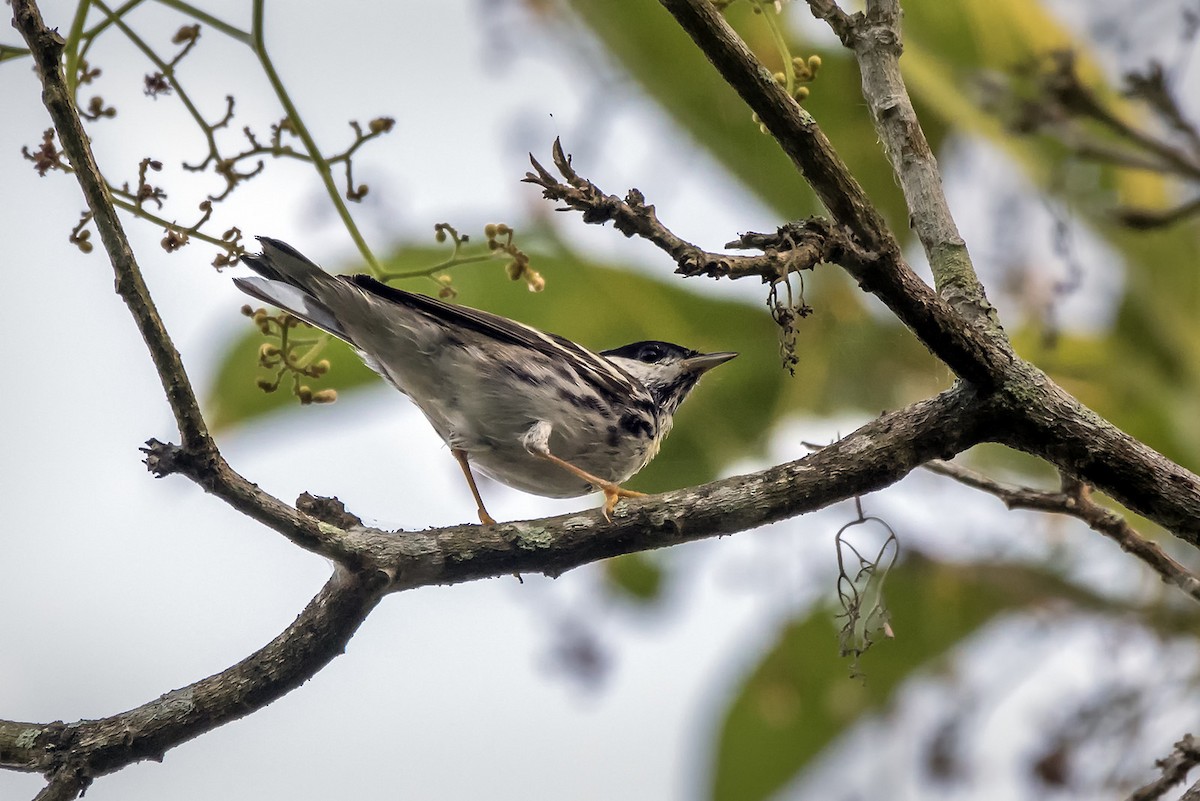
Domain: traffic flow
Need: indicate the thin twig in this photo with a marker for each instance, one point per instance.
(319, 161)
(1175, 769)
(800, 246)
(1074, 500)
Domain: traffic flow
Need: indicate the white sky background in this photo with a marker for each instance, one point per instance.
(121, 587)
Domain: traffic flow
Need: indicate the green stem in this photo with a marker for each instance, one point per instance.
(8, 52)
(769, 15)
(71, 46)
(166, 69)
(121, 203)
(453, 261)
(209, 20)
(99, 28)
(319, 161)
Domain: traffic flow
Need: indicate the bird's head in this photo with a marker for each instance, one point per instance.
(668, 371)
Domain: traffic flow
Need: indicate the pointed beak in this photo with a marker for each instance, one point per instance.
(706, 361)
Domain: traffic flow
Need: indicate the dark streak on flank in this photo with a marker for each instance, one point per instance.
(520, 375)
(637, 425)
(614, 436)
(581, 401)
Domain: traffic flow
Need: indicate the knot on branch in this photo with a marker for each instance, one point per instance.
(165, 458)
(800, 245)
(327, 510)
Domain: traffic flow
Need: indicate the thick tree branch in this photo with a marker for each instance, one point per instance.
(1075, 500)
(874, 456)
(969, 352)
(74, 754)
(1040, 417)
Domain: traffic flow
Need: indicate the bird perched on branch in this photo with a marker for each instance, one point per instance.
(532, 410)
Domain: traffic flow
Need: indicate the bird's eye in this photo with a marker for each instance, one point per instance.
(650, 354)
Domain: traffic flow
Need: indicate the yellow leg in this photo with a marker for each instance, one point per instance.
(612, 492)
(461, 456)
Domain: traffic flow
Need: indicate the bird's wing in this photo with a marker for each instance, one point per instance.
(602, 373)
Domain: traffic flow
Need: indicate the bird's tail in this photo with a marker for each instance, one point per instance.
(293, 283)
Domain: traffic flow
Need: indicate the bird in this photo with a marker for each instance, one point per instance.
(530, 409)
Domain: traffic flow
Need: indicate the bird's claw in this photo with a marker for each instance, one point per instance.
(612, 494)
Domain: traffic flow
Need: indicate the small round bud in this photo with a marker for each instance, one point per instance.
(321, 367)
(305, 394)
(265, 385)
(489, 230)
(514, 269)
(814, 64)
(502, 229)
(802, 92)
(780, 78)
(381, 125)
(247, 311)
(325, 396)
(535, 280)
(440, 235)
(447, 292)
(764, 129)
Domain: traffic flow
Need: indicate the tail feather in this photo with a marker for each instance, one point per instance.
(295, 301)
(279, 261)
(293, 283)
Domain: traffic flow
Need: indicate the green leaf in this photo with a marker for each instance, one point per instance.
(800, 697)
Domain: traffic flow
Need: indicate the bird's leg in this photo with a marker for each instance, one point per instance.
(461, 456)
(537, 442)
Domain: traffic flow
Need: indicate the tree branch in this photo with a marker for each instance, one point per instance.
(802, 246)
(1175, 769)
(75, 754)
(970, 353)
(876, 41)
(1075, 500)
(1041, 418)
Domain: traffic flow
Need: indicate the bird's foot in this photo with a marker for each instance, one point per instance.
(612, 494)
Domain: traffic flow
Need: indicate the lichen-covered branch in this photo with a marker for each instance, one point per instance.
(876, 41)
